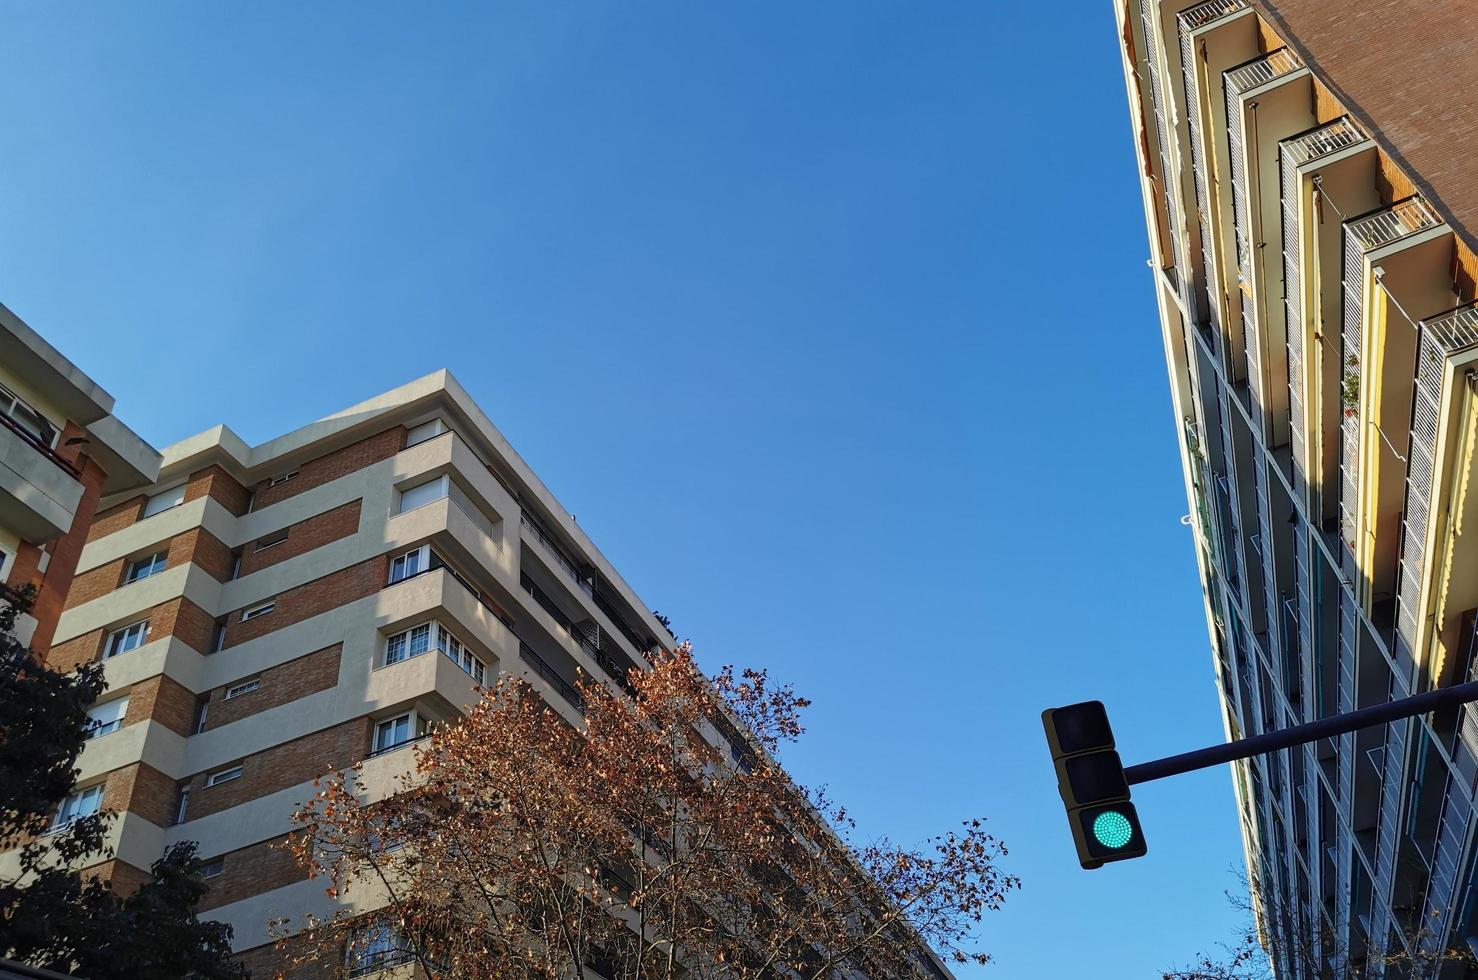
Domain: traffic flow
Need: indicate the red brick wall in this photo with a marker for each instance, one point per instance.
(329, 467)
(141, 789)
(195, 545)
(216, 482)
(164, 700)
(311, 598)
(316, 531)
(313, 672)
(125, 878)
(252, 870)
(178, 617)
(282, 766)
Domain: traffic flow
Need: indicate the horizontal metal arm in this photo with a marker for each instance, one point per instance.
(1417, 704)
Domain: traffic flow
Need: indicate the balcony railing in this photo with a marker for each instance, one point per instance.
(1325, 140)
(566, 690)
(582, 639)
(1396, 222)
(1263, 70)
(561, 561)
(39, 446)
(1202, 14)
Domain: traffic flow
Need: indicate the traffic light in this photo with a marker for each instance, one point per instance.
(1090, 778)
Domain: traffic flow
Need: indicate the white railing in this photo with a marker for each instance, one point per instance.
(1325, 140)
(1263, 70)
(1202, 14)
(1395, 222)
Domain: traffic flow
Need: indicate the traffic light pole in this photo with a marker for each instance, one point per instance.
(1417, 704)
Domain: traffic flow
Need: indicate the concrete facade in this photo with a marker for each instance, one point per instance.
(1318, 318)
(257, 652)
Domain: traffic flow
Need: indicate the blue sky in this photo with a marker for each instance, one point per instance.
(830, 322)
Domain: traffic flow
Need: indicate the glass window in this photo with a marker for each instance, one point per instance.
(373, 948)
(258, 610)
(420, 496)
(423, 432)
(277, 480)
(223, 776)
(164, 500)
(144, 567)
(396, 731)
(126, 639)
(105, 718)
(403, 646)
(30, 421)
(213, 867)
(457, 651)
(83, 803)
(245, 687)
(268, 540)
(408, 564)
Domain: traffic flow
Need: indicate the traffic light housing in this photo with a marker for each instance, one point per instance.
(1090, 779)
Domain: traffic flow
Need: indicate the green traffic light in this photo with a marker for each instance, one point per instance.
(1112, 829)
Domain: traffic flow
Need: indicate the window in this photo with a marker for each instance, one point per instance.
(213, 868)
(126, 639)
(408, 564)
(106, 718)
(30, 421)
(83, 803)
(202, 705)
(423, 494)
(398, 731)
(268, 540)
(218, 637)
(278, 480)
(423, 432)
(373, 948)
(144, 567)
(412, 642)
(181, 813)
(244, 687)
(4, 565)
(223, 776)
(164, 500)
(460, 655)
(261, 609)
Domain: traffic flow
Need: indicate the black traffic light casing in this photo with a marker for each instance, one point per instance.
(1090, 779)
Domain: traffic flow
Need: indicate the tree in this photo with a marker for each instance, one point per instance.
(50, 915)
(654, 842)
(1251, 953)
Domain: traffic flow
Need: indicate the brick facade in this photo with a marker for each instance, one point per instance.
(196, 545)
(310, 599)
(282, 766)
(142, 789)
(179, 618)
(164, 700)
(331, 466)
(317, 671)
(302, 537)
(252, 870)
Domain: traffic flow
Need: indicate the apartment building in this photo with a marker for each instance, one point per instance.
(267, 614)
(1311, 201)
(61, 450)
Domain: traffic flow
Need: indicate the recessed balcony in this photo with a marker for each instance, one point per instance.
(39, 491)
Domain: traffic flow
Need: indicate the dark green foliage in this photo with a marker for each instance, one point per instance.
(50, 916)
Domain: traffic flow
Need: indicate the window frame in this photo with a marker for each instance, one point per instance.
(226, 775)
(218, 863)
(437, 424)
(259, 610)
(262, 544)
(443, 480)
(279, 480)
(422, 555)
(96, 730)
(93, 792)
(115, 637)
(147, 513)
(418, 726)
(241, 688)
(9, 412)
(146, 567)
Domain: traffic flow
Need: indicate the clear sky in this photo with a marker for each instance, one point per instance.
(830, 322)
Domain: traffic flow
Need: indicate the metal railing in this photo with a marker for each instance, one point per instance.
(1322, 141)
(561, 560)
(566, 690)
(1197, 17)
(1263, 70)
(39, 446)
(1391, 224)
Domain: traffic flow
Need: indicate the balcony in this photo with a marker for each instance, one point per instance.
(551, 677)
(39, 491)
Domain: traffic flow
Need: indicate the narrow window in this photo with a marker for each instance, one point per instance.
(202, 705)
(144, 567)
(164, 500)
(106, 718)
(126, 639)
(422, 494)
(409, 564)
(423, 432)
(223, 776)
(182, 811)
(213, 867)
(244, 687)
(218, 637)
(279, 480)
(83, 803)
(260, 609)
(268, 540)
